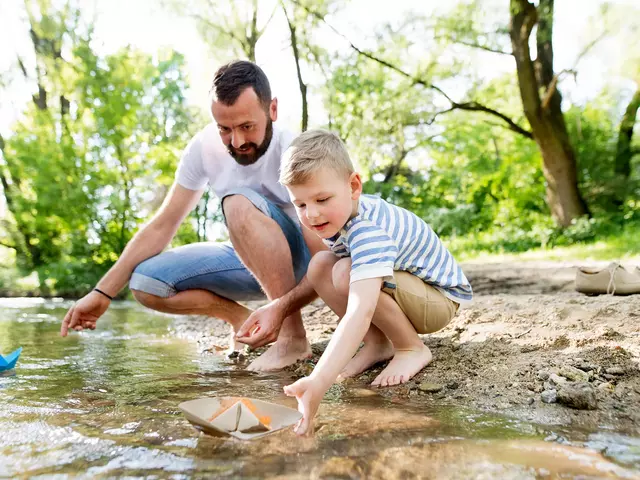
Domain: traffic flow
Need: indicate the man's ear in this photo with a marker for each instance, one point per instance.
(273, 109)
(355, 182)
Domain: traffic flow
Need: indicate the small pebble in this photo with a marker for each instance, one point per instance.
(574, 374)
(549, 396)
(615, 371)
(557, 379)
(543, 375)
(529, 348)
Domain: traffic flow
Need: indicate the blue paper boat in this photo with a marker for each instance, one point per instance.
(8, 362)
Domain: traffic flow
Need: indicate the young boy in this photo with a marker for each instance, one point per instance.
(374, 246)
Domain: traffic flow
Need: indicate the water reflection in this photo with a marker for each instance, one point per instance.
(104, 403)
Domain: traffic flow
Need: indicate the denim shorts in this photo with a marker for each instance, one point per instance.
(215, 266)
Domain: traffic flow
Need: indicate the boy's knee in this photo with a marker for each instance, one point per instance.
(341, 275)
(320, 267)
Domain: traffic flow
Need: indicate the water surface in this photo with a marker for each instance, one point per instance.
(104, 404)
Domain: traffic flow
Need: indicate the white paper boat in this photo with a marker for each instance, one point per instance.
(240, 417)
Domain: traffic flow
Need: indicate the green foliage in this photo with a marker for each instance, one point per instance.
(81, 180)
(593, 131)
(478, 185)
(230, 29)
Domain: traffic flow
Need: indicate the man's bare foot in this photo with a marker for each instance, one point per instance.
(405, 364)
(284, 352)
(370, 354)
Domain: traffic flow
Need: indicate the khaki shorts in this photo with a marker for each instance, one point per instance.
(427, 308)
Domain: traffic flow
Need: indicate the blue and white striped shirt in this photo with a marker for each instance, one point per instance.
(382, 238)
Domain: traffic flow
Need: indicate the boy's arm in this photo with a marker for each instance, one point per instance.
(363, 299)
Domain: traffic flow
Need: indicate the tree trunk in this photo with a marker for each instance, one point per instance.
(623, 148)
(5, 182)
(252, 39)
(301, 84)
(545, 115)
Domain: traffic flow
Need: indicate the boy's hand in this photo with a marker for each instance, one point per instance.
(262, 326)
(308, 391)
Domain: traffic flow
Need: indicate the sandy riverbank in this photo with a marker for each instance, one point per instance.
(528, 337)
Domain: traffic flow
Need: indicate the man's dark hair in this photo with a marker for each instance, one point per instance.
(232, 79)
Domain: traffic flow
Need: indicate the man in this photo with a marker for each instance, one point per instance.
(239, 156)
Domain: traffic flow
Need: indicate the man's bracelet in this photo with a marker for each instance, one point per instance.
(105, 294)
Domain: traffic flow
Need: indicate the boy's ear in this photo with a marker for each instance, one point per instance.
(355, 182)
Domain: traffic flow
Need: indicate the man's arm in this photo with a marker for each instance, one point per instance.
(270, 317)
(150, 240)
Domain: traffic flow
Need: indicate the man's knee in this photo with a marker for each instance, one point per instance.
(320, 267)
(341, 275)
(148, 300)
(238, 207)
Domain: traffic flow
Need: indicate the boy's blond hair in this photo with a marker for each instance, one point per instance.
(311, 151)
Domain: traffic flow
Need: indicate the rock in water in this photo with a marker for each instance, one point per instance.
(429, 387)
(581, 396)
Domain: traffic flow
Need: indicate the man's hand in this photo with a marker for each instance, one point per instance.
(85, 313)
(262, 326)
(309, 392)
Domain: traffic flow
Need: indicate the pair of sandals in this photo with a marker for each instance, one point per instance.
(612, 280)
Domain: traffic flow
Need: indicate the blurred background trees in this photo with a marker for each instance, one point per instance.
(499, 162)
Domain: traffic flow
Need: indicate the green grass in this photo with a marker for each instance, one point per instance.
(622, 246)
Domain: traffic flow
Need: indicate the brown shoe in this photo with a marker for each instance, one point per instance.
(613, 280)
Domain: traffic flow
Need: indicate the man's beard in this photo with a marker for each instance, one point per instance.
(250, 158)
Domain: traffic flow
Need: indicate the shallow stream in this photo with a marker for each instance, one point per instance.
(104, 404)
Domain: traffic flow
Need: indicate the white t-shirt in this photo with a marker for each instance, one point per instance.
(206, 160)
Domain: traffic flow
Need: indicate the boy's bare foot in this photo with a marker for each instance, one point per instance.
(405, 364)
(370, 354)
(284, 352)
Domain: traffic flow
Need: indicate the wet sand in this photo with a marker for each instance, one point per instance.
(527, 339)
